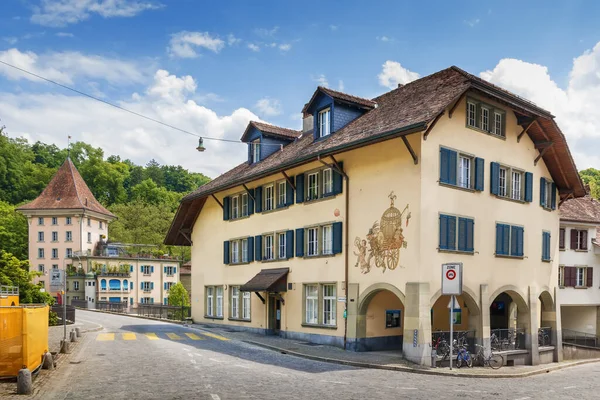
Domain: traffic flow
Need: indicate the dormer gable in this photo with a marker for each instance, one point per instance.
(264, 140)
(332, 110)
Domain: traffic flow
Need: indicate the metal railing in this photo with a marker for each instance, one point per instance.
(58, 309)
(9, 290)
(507, 339)
(580, 338)
(178, 313)
(120, 307)
(463, 338)
(545, 336)
(79, 303)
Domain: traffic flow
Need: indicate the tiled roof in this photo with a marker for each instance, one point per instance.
(348, 97)
(185, 269)
(404, 110)
(67, 190)
(583, 209)
(275, 130)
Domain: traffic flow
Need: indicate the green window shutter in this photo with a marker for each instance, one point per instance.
(258, 199)
(300, 188)
(479, 173)
(226, 208)
(337, 237)
(250, 202)
(528, 187)
(543, 192)
(226, 253)
(289, 192)
(300, 242)
(503, 124)
(494, 178)
(448, 166)
(553, 196)
(338, 185)
(251, 249)
(289, 244)
(258, 248)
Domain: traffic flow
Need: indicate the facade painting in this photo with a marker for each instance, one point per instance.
(384, 240)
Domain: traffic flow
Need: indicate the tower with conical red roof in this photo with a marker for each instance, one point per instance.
(65, 221)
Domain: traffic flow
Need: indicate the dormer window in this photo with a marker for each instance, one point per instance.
(255, 151)
(324, 122)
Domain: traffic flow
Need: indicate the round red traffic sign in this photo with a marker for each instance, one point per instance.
(450, 274)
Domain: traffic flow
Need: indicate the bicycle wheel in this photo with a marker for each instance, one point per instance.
(459, 361)
(496, 361)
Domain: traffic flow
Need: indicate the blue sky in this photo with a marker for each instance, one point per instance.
(211, 66)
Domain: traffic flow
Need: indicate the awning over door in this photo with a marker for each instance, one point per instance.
(268, 280)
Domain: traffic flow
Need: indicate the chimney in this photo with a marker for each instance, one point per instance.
(400, 85)
(307, 122)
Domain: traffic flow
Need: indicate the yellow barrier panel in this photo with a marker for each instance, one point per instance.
(23, 338)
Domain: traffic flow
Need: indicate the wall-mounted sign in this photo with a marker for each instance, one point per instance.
(452, 279)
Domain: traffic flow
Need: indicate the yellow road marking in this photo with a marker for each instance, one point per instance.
(174, 336)
(129, 336)
(212, 335)
(152, 336)
(103, 337)
(193, 336)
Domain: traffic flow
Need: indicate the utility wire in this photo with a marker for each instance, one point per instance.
(122, 108)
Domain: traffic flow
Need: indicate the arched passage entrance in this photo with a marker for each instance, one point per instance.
(547, 334)
(380, 319)
(509, 320)
(466, 315)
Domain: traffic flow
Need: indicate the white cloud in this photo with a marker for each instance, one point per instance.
(184, 44)
(285, 47)
(334, 27)
(472, 22)
(232, 40)
(168, 98)
(268, 107)
(575, 106)
(253, 47)
(66, 67)
(384, 39)
(65, 34)
(266, 33)
(340, 85)
(394, 73)
(56, 13)
(10, 40)
(321, 80)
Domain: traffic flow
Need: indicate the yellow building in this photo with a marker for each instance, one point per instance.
(336, 234)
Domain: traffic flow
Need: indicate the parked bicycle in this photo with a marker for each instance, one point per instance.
(463, 357)
(543, 338)
(493, 361)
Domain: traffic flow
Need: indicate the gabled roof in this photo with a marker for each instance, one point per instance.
(584, 209)
(408, 109)
(343, 97)
(272, 130)
(67, 190)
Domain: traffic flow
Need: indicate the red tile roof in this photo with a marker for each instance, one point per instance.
(185, 269)
(583, 209)
(67, 190)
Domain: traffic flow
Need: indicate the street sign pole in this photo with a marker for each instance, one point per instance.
(451, 328)
(64, 300)
(452, 286)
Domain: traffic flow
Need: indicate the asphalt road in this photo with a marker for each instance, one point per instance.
(140, 359)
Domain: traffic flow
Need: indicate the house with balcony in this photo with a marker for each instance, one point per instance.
(579, 262)
(337, 233)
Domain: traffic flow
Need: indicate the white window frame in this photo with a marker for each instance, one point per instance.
(313, 185)
(516, 188)
(503, 187)
(256, 151)
(235, 207)
(69, 253)
(311, 301)
(40, 236)
(40, 220)
(54, 220)
(235, 302)
(325, 122)
(54, 253)
(281, 246)
(68, 221)
(219, 295)
(69, 236)
(89, 237)
(246, 305)
(244, 201)
(465, 170)
(580, 240)
(41, 253)
(327, 239)
(41, 268)
(244, 244)
(485, 118)
(312, 241)
(75, 285)
(54, 236)
(472, 114)
(329, 304)
(146, 269)
(269, 197)
(209, 301)
(268, 247)
(89, 221)
(235, 251)
(497, 124)
(583, 276)
(327, 181)
(100, 225)
(281, 193)
(506, 184)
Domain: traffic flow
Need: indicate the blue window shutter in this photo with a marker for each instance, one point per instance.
(516, 241)
(131, 285)
(250, 249)
(543, 192)
(443, 232)
(289, 244)
(500, 239)
(300, 242)
(494, 178)
(300, 188)
(152, 269)
(337, 237)
(226, 208)
(141, 268)
(165, 286)
(258, 199)
(479, 173)
(553, 196)
(142, 285)
(462, 234)
(545, 246)
(528, 187)
(289, 192)
(165, 270)
(338, 180)
(258, 248)
(452, 233)
(226, 252)
(174, 270)
(251, 201)
(152, 299)
(448, 166)
(470, 225)
(131, 268)
(152, 285)
(131, 301)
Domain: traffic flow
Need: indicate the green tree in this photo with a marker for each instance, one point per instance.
(591, 176)
(141, 223)
(154, 172)
(13, 231)
(178, 295)
(148, 192)
(14, 272)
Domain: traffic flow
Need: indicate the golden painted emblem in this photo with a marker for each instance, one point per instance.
(384, 240)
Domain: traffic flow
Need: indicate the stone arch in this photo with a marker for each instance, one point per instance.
(469, 296)
(546, 300)
(470, 313)
(371, 291)
(515, 293)
(509, 311)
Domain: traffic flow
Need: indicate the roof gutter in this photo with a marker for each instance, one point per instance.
(418, 127)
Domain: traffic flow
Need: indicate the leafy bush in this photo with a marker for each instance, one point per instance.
(52, 319)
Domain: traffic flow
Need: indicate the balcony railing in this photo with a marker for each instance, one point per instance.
(544, 336)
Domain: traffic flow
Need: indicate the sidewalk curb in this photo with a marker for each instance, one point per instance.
(135, 316)
(422, 371)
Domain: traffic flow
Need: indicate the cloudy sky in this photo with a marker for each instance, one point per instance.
(210, 67)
